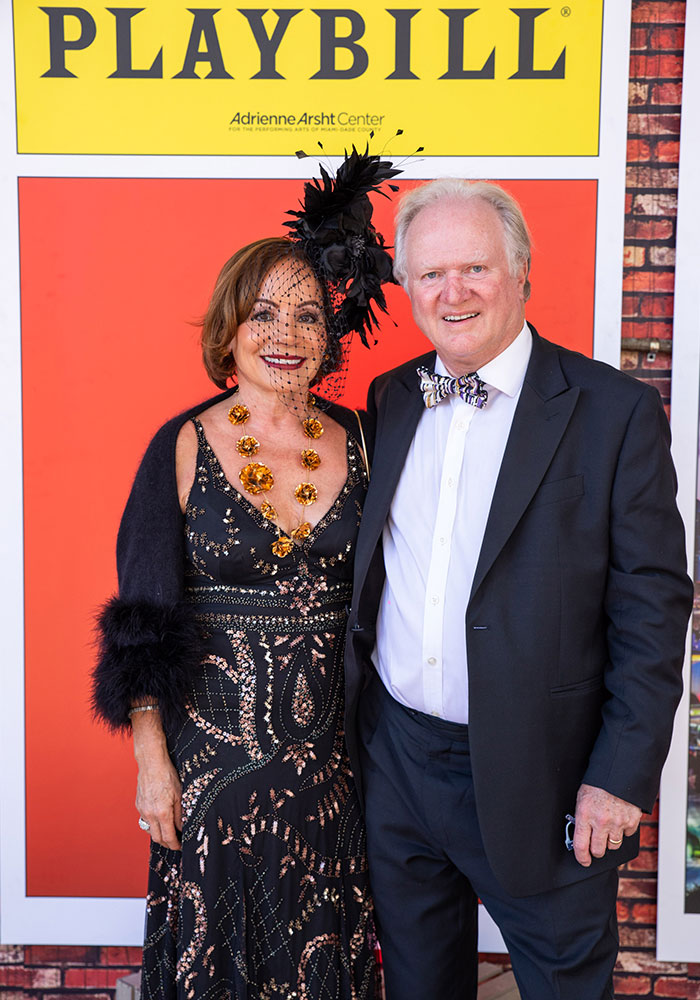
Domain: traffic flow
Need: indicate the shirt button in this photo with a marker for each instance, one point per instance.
(460, 425)
(442, 541)
(450, 482)
(432, 661)
(435, 599)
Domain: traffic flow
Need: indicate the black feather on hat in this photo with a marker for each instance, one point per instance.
(334, 228)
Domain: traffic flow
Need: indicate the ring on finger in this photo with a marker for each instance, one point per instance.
(143, 824)
(611, 840)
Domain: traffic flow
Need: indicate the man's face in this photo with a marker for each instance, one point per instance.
(463, 296)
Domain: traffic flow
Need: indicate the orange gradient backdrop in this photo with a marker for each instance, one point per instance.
(114, 274)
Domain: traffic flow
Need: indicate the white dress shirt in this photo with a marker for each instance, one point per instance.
(433, 535)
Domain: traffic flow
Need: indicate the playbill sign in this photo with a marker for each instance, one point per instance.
(141, 146)
(170, 78)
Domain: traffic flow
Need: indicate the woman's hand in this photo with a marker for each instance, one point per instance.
(158, 789)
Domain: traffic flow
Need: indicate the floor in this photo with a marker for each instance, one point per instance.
(496, 983)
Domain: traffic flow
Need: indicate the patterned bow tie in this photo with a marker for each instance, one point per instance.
(435, 387)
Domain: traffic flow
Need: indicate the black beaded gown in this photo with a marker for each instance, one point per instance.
(269, 899)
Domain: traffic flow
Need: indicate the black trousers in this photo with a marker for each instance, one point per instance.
(428, 868)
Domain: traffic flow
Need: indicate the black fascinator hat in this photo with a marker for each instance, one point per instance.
(334, 229)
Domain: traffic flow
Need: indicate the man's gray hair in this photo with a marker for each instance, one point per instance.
(515, 231)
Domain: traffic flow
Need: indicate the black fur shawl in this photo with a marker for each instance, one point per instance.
(148, 641)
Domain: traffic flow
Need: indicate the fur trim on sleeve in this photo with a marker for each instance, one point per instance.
(145, 651)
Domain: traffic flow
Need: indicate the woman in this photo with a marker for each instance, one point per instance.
(224, 647)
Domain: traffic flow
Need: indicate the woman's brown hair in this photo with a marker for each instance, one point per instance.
(232, 300)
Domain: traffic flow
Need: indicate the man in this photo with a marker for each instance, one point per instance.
(517, 632)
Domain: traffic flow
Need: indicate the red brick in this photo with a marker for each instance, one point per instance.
(634, 256)
(694, 969)
(46, 978)
(493, 958)
(656, 67)
(636, 324)
(77, 996)
(637, 937)
(12, 975)
(11, 954)
(653, 11)
(653, 329)
(654, 816)
(649, 832)
(648, 281)
(658, 203)
(639, 38)
(637, 888)
(631, 306)
(666, 987)
(666, 93)
(638, 93)
(666, 37)
(637, 986)
(656, 123)
(639, 961)
(17, 995)
(638, 150)
(648, 229)
(42, 954)
(631, 329)
(638, 176)
(628, 361)
(94, 978)
(656, 305)
(662, 361)
(667, 151)
(646, 861)
(629, 199)
(644, 913)
(662, 256)
(623, 910)
(693, 991)
(120, 956)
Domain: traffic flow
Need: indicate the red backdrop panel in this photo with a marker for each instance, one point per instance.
(114, 275)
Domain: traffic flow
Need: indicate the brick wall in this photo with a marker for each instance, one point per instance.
(656, 64)
(48, 972)
(656, 67)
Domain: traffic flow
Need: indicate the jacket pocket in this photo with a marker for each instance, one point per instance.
(579, 687)
(558, 489)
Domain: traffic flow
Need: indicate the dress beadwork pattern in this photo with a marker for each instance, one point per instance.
(269, 899)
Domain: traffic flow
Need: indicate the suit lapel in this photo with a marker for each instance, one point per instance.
(396, 424)
(543, 412)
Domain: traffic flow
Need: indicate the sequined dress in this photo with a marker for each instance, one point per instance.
(270, 896)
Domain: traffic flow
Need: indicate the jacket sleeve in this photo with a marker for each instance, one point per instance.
(647, 603)
(148, 643)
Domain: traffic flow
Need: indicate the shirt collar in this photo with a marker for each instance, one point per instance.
(505, 372)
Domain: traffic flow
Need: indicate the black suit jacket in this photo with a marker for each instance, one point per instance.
(576, 623)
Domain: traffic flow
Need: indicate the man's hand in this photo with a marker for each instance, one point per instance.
(602, 820)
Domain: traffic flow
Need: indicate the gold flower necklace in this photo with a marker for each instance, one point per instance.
(257, 478)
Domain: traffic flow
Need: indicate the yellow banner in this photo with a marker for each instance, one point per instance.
(179, 78)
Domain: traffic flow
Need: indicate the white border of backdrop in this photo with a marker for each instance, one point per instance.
(106, 921)
(678, 932)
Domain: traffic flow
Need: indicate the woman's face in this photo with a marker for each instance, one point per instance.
(281, 343)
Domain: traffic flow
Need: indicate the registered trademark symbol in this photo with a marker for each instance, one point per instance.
(566, 12)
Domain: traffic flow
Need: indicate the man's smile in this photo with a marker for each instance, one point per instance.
(458, 317)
